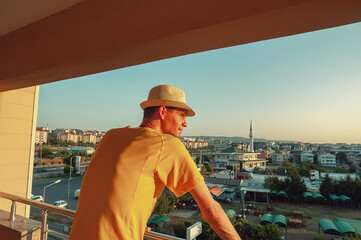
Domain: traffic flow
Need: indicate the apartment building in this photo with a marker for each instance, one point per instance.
(89, 138)
(193, 144)
(307, 157)
(98, 138)
(69, 137)
(277, 157)
(41, 136)
(327, 159)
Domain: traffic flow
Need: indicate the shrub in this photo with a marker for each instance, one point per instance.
(67, 170)
(180, 229)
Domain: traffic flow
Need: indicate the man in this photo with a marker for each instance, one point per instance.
(131, 167)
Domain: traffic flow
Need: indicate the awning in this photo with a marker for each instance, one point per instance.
(216, 191)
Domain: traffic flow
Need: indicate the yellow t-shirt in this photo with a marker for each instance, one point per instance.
(126, 176)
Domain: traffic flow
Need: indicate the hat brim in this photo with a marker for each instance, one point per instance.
(169, 103)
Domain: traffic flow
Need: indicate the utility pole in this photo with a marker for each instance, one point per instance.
(71, 160)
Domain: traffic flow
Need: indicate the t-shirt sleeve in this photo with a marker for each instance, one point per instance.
(176, 168)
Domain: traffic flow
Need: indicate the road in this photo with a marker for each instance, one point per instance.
(58, 191)
(43, 171)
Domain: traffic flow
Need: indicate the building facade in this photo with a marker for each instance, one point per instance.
(327, 159)
(307, 157)
(41, 136)
(239, 159)
(68, 137)
(89, 138)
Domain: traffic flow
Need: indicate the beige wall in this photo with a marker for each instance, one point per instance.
(18, 115)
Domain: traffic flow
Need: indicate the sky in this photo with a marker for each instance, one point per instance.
(304, 87)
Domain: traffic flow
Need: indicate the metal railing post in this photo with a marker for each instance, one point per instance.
(13, 212)
(44, 225)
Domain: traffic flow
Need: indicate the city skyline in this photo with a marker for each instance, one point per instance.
(299, 88)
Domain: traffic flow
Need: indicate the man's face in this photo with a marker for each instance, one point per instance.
(174, 121)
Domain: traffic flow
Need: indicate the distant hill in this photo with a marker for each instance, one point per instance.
(243, 139)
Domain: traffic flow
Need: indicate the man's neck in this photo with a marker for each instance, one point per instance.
(153, 124)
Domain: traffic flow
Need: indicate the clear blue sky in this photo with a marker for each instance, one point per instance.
(304, 87)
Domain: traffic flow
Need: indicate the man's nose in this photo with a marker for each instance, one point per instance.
(185, 123)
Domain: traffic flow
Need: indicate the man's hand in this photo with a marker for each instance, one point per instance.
(213, 213)
(147, 229)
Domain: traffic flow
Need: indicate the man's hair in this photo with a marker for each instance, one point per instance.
(149, 112)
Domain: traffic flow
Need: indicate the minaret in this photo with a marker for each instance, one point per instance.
(251, 137)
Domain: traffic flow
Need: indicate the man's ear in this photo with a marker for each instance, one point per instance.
(162, 111)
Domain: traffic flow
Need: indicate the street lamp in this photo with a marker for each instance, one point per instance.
(57, 181)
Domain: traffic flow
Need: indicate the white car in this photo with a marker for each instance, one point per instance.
(60, 203)
(37, 198)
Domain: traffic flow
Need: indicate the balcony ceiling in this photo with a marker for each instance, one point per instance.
(43, 41)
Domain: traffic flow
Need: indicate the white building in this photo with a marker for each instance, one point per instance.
(89, 138)
(68, 136)
(41, 136)
(240, 159)
(277, 157)
(306, 157)
(327, 159)
(99, 137)
(192, 143)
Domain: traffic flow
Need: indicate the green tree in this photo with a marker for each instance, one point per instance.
(74, 171)
(66, 169)
(186, 197)
(247, 231)
(327, 186)
(272, 231)
(305, 168)
(341, 157)
(165, 203)
(180, 229)
(47, 153)
(207, 232)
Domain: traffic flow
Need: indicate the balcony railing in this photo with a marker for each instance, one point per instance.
(64, 212)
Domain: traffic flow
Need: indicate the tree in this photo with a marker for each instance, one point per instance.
(315, 159)
(207, 232)
(341, 157)
(74, 171)
(67, 170)
(247, 231)
(47, 153)
(180, 229)
(327, 186)
(186, 197)
(305, 168)
(165, 204)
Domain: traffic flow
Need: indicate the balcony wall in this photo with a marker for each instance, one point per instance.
(18, 115)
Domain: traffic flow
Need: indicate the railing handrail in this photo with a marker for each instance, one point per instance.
(70, 213)
(44, 206)
(159, 236)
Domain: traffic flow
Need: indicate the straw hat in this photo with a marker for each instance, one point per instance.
(169, 96)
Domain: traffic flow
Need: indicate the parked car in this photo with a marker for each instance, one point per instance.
(37, 198)
(42, 170)
(76, 193)
(60, 203)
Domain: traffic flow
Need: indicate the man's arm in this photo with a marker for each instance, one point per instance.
(213, 212)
